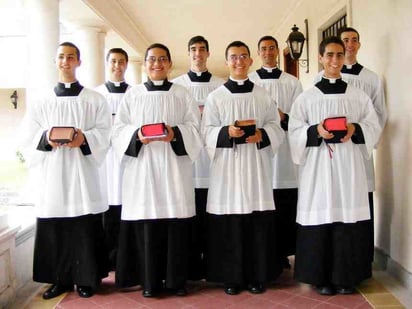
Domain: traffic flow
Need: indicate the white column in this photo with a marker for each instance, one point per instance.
(43, 39)
(91, 42)
(134, 71)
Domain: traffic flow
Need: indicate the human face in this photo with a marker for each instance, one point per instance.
(352, 44)
(67, 63)
(157, 64)
(268, 52)
(116, 67)
(239, 61)
(332, 60)
(198, 56)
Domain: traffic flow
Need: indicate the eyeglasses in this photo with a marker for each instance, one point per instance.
(153, 59)
(234, 58)
(271, 48)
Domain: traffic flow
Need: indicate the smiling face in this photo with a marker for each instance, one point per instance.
(198, 56)
(238, 60)
(116, 66)
(352, 45)
(157, 64)
(332, 60)
(268, 53)
(67, 62)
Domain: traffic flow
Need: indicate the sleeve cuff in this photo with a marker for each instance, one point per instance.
(357, 137)
(134, 146)
(313, 138)
(178, 144)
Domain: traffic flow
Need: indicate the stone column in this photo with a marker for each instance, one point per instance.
(91, 42)
(134, 71)
(42, 41)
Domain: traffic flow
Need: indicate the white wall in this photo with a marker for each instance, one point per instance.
(385, 30)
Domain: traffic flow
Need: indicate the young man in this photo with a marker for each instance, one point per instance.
(242, 246)
(200, 82)
(360, 77)
(69, 245)
(333, 235)
(158, 196)
(284, 89)
(113, 90)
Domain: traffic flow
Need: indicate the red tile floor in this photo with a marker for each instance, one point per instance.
(284, 293)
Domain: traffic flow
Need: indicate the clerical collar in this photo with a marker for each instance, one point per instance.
(68, 89)
(116, 87)
(158, 85)
(269, 73)
(239, 86)
(353, 69)
(202, 77)
(331, 86)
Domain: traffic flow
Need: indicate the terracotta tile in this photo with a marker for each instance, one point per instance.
(80, 303)
(301, 302)
(276, 295)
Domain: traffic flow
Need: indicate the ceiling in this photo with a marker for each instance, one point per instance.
(142, 22)
(134, 24)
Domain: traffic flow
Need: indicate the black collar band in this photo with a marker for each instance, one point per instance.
(150, 86)
(73, 91)
(234, 87)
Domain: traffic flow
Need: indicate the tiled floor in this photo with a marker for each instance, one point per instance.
(284, 293)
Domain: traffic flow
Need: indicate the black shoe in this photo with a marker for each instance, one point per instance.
(256, 288)
(148, 293)
(232, 290)
(325, 290)
(181, 292)
(345, 290)
(56, 290)
(84, 291)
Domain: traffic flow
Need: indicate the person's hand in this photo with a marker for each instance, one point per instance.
(78, 140)
(235, 132)
(281, 115)
(257, 138)
(351, 131)
(323, 132)
(142, 139)
(170, 135)
(167, 139)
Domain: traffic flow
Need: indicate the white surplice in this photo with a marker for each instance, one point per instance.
(110, 170)
(284, 90)
(157, 183)
(369, 82)
(332, 182)
(67, 181)
(241, 176)
(200, 91)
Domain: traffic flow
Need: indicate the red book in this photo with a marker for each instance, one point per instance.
(337, 126)
(154, 130)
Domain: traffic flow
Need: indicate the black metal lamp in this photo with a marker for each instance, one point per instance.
(296, 41)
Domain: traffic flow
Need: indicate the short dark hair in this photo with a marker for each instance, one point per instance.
(197, 39)
(158, 45)
(330, 40)
(268, 38)
(70, 44)
(117, 50)
(236, 44)
(348, 29)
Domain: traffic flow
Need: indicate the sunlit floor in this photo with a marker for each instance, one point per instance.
(379, 292)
